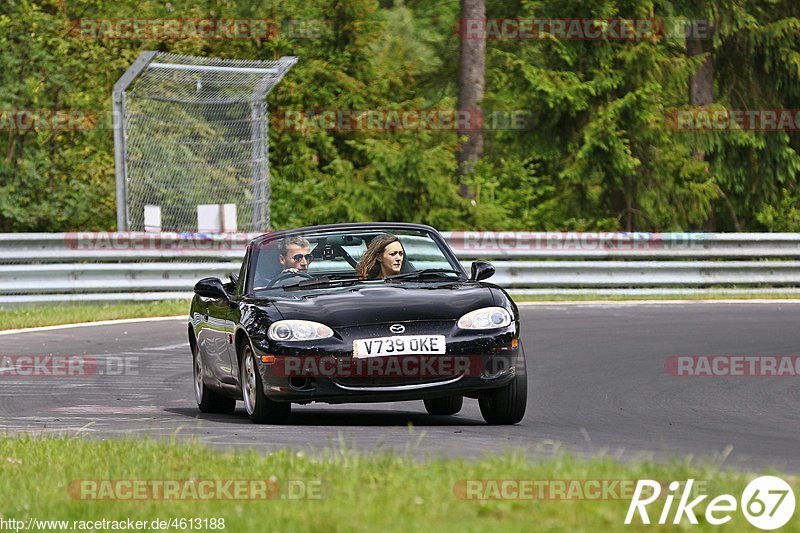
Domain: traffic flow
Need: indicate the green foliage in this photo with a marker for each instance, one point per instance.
(785, 216)
(597, 151)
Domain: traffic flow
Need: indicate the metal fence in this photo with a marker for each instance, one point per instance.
(125, 266)
(192, 131)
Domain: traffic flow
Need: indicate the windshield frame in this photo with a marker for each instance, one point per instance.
(269, 239)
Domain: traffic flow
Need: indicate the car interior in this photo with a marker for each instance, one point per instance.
(332, 254)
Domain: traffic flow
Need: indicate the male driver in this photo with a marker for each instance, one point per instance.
(295, 254)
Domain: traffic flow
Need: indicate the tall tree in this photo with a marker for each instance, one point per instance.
(471, 86)
(700, 47)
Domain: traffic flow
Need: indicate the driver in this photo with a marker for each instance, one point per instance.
(295, 254)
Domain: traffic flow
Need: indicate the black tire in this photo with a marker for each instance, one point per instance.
(449, 405)
(208, 401)
(506, 405)
(260, 409)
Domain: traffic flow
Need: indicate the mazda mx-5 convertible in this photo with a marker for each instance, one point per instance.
(368, 312)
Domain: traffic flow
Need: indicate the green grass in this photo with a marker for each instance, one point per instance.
(623, 297)
(50, 315)
(360, 492)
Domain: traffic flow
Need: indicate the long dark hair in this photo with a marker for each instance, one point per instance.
(369, 265)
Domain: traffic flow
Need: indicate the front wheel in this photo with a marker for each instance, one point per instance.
(260, 409)
(506, 405)
(449, 405)
(208, 401)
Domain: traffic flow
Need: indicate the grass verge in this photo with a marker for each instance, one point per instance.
(358, 492)
(51, 315)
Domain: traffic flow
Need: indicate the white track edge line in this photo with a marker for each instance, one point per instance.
(658, 302)
(93, 324)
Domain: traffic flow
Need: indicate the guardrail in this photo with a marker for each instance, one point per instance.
(112, 266)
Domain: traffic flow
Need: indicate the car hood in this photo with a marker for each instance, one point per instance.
(357, 305)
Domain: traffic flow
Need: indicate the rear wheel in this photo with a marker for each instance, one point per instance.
(208, 401)
(506, 405)
(260, 409)
(449, 405)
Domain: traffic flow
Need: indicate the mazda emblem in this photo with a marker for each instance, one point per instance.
(397, 328)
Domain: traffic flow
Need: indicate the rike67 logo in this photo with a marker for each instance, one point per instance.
(767, 503)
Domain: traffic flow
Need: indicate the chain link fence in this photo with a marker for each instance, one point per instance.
(192, 131)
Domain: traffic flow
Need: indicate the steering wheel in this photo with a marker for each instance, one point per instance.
(286, 275)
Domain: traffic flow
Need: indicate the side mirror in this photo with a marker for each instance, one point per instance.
(211, 288)
(481, 270)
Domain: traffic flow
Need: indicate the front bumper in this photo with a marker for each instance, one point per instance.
(473, 362)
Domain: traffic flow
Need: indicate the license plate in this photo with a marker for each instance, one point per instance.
(399, 345)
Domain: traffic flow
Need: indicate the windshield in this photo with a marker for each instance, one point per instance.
(317, 259)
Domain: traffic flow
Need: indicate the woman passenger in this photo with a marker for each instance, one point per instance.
(384, 256)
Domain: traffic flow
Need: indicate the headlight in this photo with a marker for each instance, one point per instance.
(486, 318)
(298, 330)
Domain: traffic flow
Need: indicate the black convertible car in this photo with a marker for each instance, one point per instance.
(368, 312)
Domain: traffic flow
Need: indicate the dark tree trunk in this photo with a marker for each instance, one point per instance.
(470, 89)
(701, 83)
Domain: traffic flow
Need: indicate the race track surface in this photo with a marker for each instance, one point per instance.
(597, 378)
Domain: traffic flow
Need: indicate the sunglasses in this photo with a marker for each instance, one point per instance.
(299, 257)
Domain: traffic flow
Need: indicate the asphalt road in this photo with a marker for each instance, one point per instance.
(597, 378)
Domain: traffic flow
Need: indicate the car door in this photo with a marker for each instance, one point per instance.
(234, 316)
(221, 329)
(214, 335)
